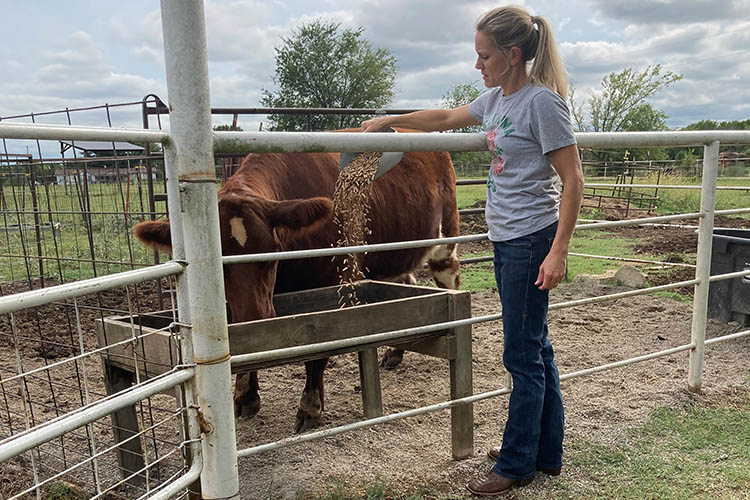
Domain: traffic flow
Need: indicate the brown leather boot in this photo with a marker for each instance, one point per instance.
(493, 484)
(494, 454)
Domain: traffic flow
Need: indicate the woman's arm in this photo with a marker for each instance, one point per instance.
(568, 165)
(427, 120)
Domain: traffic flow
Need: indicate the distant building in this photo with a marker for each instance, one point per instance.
(101, 162)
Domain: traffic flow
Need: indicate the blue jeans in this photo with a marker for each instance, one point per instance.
(533, 434)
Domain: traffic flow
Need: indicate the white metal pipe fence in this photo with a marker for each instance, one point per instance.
(701, 282)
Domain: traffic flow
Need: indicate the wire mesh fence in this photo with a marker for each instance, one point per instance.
(67, 209)
(48, 371)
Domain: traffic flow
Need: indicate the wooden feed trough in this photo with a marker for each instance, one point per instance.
(303, 318)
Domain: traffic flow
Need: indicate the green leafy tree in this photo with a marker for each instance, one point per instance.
(322, 66)
(621, 105)
(642, 118)
(227, 128)
(458, 96)
(622, 95)
(742, 151)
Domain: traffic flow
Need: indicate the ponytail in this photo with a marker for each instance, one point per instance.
(512, 26)
(547, 68)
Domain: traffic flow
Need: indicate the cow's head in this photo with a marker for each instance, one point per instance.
(250, 224)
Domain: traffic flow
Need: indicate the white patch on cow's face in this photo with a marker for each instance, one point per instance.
(442, 252)
(238, 230)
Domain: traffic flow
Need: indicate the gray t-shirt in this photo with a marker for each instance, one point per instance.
(521, 129)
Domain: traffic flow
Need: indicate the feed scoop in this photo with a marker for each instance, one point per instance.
(388, 160)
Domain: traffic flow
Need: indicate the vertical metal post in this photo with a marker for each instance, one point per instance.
(191, 138)
(703, 264)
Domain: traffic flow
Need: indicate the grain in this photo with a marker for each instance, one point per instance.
(351, 207)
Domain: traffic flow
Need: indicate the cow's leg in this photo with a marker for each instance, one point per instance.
(246, 397)
(393, 357)
(443, 260)
(311, 404)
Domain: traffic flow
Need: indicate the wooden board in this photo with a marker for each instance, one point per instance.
(386, 307)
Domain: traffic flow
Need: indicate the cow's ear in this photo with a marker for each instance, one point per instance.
(155, 234)
(301, 214)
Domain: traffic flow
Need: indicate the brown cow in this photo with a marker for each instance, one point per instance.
(282, 201)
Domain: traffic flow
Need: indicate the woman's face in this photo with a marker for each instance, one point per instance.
(491, 61)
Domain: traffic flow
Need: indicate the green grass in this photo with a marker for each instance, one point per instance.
(674, 201)
(66, 255)
(598, 242)
(675, 296)
(468, 196)
(684, 453)
(480, 276)
(671, 201)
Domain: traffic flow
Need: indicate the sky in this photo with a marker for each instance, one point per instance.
(81, 53)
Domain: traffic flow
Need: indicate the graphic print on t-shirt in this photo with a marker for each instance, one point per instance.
(497, 152)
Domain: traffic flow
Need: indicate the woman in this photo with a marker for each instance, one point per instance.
(530, 135)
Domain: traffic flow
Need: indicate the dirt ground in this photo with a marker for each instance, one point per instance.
(414, 454)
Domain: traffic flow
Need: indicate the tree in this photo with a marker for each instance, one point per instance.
(620, 106)
(644, 117)
(227, 128)
(743, 151)
(620, 101)
(457, 96)
(321, 66)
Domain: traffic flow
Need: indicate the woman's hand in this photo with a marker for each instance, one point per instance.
(551, 272)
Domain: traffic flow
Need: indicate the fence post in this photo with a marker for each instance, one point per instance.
(191, 144)
(703, 264)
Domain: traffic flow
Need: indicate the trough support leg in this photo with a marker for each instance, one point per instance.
(124, 426)
(462, 416)
(369, 379)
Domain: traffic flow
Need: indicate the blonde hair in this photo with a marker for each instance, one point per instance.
(513, 26)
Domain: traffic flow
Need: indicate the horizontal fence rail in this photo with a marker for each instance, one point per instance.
(382, 247)
(67, 132)
(294, 440)
(354, 142)
(36, 298)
